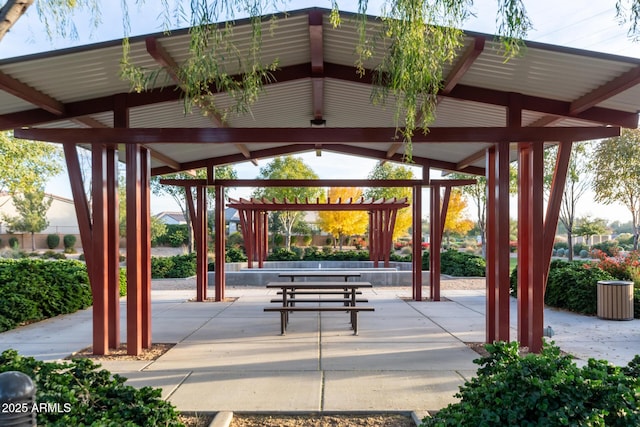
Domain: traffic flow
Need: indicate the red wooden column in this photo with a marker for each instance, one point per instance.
(247, 234)
(417, 243)
(202, 250)
(145, 249)
(113, 242)
(220, 242)
(525, 239)
(134, 249)
(258, 233)
(99, 274)
(531, 260)
(498, 243)
(435, 241)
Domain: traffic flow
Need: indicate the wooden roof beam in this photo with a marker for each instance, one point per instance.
(314, 136)
(316, 46)
(463, 64)
(27, 93)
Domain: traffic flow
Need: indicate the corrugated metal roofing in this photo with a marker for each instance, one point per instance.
(91, 74)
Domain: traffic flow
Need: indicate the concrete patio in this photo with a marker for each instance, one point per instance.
(409, 356)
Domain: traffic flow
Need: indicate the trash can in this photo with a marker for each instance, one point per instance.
(17, 396)
(615, 300)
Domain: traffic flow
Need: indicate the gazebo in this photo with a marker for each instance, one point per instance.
(489, 114)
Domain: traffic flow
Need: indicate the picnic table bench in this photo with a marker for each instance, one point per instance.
(346, 294)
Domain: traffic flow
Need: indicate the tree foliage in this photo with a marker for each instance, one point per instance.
(589, 227)
(456, 222)
(287, 168)
(32, 210)
(343, 223)
(25, 166)
(616, 170)
(387, 171)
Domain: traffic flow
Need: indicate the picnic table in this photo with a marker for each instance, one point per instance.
(318, 295)
(319, 273)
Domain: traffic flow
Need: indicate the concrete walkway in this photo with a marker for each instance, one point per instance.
(409, 356)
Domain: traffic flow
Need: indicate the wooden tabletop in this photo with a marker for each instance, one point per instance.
(319, 285)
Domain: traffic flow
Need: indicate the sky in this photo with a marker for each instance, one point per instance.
(582, 24)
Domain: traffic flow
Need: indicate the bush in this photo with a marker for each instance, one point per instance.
(176, 235)
(235, 254)
(14, 243)
(610, 247)
(53, 240)
(172, 267)
(560, 252)
(89, 395)
(579, 247)
(560, 245)
(546, 389)
(34, 289)
(53, 255)
(584, 253)
(455, 263)
(283, 254)
(426, 260)
(69, 241)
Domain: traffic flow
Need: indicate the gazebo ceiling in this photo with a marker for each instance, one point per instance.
(556, 87)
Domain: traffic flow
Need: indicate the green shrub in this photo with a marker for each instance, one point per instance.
(235, 254)
(235, 239)
(579, 247)
(178, 266)
(583, 253)
(35, 289)
(560, 245)
(544, 390)
(283, 254)
(609, 247)
(90, 396)
(400, 258)
(456, 263)
(14, 243)
(426, 260)
(53, 255)
(69, 241)
(175, 236)
(53, 240)
(123, 281)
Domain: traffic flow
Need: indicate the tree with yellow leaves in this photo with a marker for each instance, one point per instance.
(389, 171)
(456, 222)
(343, 223)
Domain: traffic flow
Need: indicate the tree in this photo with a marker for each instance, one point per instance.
(32, 210)
(577, 184)
(422, 38)
(288, 167)
(179, 195)
(388, 171)
(588, 227)
(456, 223)
(616, 174)
(343, 223)
(25, 166)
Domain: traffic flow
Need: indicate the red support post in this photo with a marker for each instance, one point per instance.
(538, 262)
(220, 240)
(435, 238)
(134, 253)
(525, 236)
(417, 243)
(145, 249)
(99, 247)
(201, 242)
(491, 245)
(113, 257)
(503, 253)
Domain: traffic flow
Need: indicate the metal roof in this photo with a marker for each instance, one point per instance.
(78, 88)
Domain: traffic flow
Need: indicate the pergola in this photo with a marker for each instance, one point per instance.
(382, 219)
(489, 114)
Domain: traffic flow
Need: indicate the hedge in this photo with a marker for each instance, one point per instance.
(36, 289)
